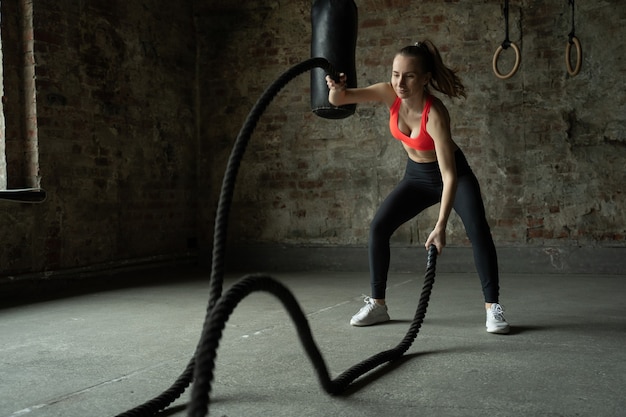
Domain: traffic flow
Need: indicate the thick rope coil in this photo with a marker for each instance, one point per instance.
(221, 306)
(207, 351)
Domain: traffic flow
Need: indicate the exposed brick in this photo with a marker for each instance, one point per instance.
(133, 141)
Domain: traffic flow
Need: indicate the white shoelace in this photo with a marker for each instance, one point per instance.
(498, 312)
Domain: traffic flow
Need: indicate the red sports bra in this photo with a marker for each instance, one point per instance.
(423, 141)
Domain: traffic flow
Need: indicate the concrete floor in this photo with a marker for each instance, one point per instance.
(103, 352)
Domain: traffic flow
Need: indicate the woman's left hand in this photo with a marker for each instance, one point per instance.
(438, 238)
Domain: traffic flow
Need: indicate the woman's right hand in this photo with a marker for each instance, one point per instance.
(336, 86)
(336, 90)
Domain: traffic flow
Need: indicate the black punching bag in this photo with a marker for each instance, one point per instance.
(334, 30)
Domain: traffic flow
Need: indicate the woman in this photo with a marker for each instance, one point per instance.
(436, 172)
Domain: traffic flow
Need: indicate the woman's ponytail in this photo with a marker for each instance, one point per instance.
(443, 78)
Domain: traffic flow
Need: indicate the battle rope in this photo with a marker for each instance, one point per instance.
(220, 307)
(505, 45)
(205, 360)
(573, 40)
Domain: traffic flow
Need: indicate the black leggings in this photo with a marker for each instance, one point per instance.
(421, 188)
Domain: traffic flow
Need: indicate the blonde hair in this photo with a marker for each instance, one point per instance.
(443, 78)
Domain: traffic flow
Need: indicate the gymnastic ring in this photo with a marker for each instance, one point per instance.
(495, 62)
(568, 53)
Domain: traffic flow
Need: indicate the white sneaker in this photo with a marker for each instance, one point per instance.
(495, 320)
(370, 313)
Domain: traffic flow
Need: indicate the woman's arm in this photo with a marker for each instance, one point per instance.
(438, 126)
(339, 95)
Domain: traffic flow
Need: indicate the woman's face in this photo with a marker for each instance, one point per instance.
(407, 78)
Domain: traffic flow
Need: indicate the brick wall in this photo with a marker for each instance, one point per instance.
(139, 104)
(116, 130)
(547, 148)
